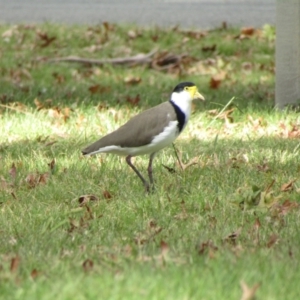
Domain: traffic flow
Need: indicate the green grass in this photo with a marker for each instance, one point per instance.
(230, 218)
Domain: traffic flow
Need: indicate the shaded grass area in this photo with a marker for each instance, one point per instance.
(83, 228)
(245, 63)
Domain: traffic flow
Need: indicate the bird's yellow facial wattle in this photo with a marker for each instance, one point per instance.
(194, 93)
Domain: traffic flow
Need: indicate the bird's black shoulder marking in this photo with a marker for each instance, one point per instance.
(180, 116)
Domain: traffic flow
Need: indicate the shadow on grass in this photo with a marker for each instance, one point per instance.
(258, 96)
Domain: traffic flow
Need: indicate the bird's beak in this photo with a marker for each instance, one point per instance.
(197, 95)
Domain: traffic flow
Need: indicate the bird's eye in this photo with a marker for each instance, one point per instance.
(186, 88)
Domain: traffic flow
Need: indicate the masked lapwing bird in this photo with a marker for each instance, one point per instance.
(151, 130)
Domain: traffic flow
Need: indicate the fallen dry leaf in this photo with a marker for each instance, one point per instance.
(4, 185)
(195, 34)
(247, 30)
(171, 170)
(54, 113)
(209, 48)
(247, 66)
(170, 62)
(39, 105)
(257, 224)
(14, 264)
(255, 123)
(164, 247)
(207, 247)
(272, 240)
(66, 113)
(89, 214)
(133, 100)
(34, 273)
(74, 224)
(264, 167)
(140, 240)
(87, 265)
(9, 33)
(84, 199)
(13, 171)
(93, 48)
(227, 115)
(50, 143)
(14, 195)
(94, 88)
(152, 224)
(183, 215)
(248, 292)
(216, 80)
(127, 250)
(285, 207)
(255, 231)
(133, 34)
(59, 113)
(107, 194)
(270, 185)
(151, 231)
(236, 162)
(59, 78)
(287, 187)
(294, 132)
(154, 38)
(232, 238)
(213, 112)
(43, 178)
(51, 164)
(31, 180)
(46, 40)
(19, 75)
(131, 80)
(100, 89)
(108, 26)
(34, 179)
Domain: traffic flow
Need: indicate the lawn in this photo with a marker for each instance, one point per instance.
(225, 226)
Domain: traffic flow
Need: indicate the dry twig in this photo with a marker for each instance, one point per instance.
(138, 59)
(183, 166)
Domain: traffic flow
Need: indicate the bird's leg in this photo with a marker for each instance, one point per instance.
(150, 173)
(145, 183)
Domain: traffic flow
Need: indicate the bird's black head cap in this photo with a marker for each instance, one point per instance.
(179, 87)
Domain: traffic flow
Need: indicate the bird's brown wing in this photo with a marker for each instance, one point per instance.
(138, 131)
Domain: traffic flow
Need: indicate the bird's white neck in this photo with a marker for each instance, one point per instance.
(183, 101)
